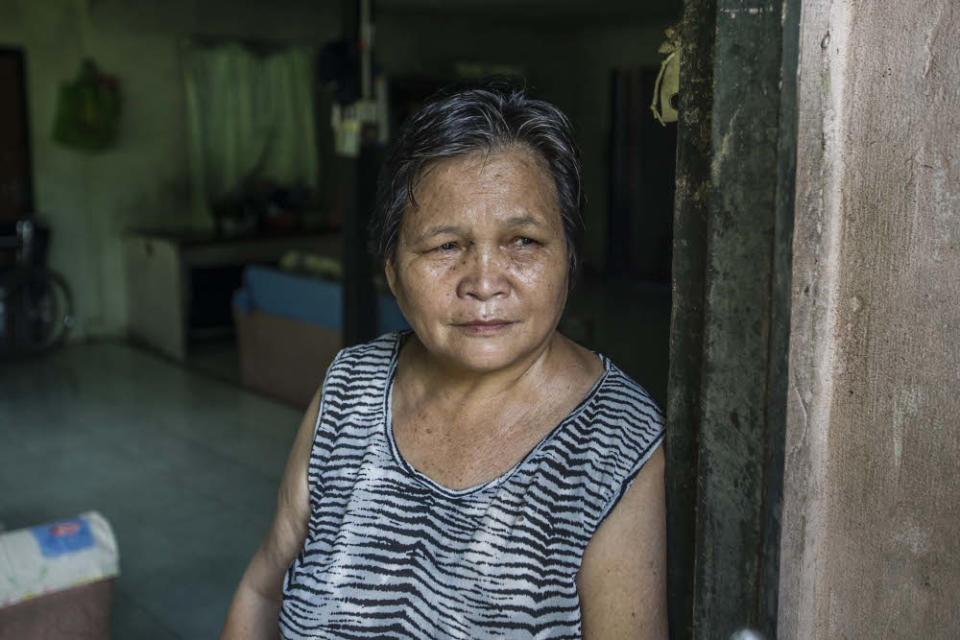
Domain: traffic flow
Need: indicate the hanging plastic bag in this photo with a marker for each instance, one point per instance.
(667, 86)
(88, 110)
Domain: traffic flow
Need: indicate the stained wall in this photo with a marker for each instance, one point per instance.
(871, 515)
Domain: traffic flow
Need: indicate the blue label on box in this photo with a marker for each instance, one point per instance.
(66, 536)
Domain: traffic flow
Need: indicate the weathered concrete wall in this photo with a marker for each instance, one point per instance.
(870, 545)
(732, 237)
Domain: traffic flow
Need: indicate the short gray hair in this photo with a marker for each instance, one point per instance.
(490, 118)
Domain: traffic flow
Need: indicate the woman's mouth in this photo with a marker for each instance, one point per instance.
(484, 327)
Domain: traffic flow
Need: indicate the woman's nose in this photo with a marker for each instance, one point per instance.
(484, 276)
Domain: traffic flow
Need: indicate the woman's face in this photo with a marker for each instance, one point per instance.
(480, 268)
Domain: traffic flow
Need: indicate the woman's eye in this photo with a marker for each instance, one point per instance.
(447, 246)
(523, 241)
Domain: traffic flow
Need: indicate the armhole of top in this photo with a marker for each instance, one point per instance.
(323, 400)
(630, 477)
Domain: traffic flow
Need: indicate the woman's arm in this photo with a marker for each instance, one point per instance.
(255, 609)
(622, 579)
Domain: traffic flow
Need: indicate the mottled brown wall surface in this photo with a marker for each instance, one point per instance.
(871, 521)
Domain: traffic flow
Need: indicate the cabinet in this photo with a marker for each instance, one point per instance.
(161, 267)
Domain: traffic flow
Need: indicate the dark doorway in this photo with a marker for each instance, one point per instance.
(16, 177)
(642, 174)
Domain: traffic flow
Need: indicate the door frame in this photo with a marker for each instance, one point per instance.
(733, 234)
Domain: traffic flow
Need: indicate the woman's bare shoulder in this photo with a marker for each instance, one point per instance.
(579, 361)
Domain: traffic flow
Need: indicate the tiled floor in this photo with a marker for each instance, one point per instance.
(184, 467)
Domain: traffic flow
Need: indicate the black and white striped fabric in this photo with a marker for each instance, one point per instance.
(391, 554)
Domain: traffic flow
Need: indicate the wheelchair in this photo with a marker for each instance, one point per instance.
(36, 305)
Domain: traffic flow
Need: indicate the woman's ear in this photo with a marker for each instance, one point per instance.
(390, 272)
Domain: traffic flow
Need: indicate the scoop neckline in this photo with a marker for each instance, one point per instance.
(387, 421)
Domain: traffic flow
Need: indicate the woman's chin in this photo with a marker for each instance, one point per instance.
(487, 354)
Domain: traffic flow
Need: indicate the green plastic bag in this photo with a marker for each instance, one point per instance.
(88, 110)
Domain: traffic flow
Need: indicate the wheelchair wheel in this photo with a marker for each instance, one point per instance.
(38, 310)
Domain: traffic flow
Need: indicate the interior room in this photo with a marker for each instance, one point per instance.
(770, 253)
(203, 266)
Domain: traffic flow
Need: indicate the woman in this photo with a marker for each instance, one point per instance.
(481, 476)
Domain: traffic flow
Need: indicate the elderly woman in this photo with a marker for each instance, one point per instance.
(480, 476)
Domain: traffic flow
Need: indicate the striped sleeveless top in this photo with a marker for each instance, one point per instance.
(391, 554)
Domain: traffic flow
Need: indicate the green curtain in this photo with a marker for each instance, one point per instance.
(249, 115)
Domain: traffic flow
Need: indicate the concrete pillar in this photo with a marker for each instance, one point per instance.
(871, 518)
(732, 236)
